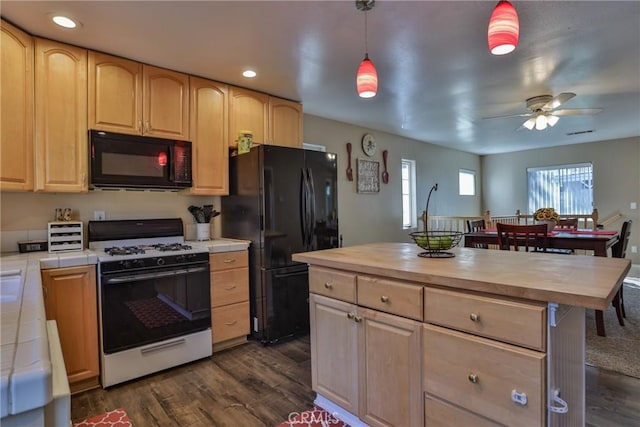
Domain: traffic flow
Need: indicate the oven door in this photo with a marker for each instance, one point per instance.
(139, 308)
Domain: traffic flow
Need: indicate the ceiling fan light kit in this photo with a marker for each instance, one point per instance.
(367, 76)
(504, 29)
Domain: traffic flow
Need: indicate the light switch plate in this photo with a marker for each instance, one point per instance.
(633, 205)
(99, 215)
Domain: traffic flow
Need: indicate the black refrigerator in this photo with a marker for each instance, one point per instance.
(284, 200)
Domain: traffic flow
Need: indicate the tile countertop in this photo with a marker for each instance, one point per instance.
(26, 381)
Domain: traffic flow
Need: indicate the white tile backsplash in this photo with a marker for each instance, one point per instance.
(9, 240)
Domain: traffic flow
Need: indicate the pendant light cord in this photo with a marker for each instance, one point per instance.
(366, 48)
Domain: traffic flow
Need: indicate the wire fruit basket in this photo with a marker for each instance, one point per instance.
(435, 242)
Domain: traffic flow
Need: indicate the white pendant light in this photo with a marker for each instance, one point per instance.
(541, 122)
(552, 120)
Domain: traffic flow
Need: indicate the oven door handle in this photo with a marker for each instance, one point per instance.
(156, 275)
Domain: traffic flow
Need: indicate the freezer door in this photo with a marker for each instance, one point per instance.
(281, 310)
(321, 171)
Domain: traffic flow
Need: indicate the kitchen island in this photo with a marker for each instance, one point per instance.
(484, 338)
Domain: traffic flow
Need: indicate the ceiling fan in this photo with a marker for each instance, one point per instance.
(543, 111)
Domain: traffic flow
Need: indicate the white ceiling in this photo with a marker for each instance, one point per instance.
(437, 79)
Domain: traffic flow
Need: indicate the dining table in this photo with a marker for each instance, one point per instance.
(597, 241)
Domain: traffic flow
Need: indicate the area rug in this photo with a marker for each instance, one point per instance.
(116, 418)
(619, 351)
(314, 417)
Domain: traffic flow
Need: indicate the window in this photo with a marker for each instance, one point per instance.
(467, 182)
(409, 212)
(566, 188)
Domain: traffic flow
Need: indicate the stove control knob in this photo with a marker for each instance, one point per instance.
(126, 264)
(180, 258)
(160, 261)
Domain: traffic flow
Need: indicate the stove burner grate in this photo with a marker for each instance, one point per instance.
(163, 247)
(124, 250)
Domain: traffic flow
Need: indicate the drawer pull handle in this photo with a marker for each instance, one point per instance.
(474, 317)
(474, 378)
(228, 288)
(231, 323)
(328, 285)
(384, 298)
(350, 315)
(229, 261)
(358, 319)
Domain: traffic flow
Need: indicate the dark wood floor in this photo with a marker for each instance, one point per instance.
(252, 385)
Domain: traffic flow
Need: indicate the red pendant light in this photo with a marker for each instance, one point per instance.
(504, 29)
(367, 76)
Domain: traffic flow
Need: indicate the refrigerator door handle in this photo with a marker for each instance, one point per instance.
(303, 207)
(312, 207)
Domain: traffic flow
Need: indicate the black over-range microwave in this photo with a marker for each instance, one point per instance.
(131, 161)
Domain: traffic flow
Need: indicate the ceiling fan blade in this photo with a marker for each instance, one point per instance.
(509, 115)
(576, 112)
(558, 100)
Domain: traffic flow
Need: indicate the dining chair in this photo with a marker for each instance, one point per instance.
(618, 250)
(477, 225)
(568, 223)
(533, 237)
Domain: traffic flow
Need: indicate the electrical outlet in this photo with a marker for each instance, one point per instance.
(633, 205)
(99, 215)
(634, 249)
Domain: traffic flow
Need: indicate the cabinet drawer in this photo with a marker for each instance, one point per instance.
(230, 286)
(479, 375)
(438, 413)
(227, 260)
(230, 321)
(332, 283)
(394, 297)
(498, 318)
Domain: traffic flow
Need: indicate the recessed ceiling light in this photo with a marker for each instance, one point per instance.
(249, 74)
(64, 21)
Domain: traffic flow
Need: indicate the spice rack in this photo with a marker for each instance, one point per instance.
(65, 236)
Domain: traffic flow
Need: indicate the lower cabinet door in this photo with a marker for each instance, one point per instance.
(389, 369)
(334, 351)
(438, 413)
(495, 380)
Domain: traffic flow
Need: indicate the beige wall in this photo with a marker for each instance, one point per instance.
(375, 217)
(616, 173)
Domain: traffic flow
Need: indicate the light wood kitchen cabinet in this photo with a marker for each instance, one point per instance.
(209, 117)
(230, 323)
(70, 299)
(61, 140)
(285, 122)
(248, 110)
(16, 119)
(366, 361)
(129, 97)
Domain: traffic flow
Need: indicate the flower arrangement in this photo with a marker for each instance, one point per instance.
(546, 214)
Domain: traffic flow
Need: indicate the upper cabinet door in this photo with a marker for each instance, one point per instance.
(285, 124)
(166, 103)
(210, 137)
(115, 94)
(61, 117)
(16, 118)
(248, 110)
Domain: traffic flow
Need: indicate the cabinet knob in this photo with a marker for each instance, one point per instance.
(146, 126)
(229, 261)
(231, 323)
(328, 285)
(474, 317)
(350, 315)
(45, 291)
(358, 319)
(384, 298)
(140, 126)
(474, 378)
(228, 288)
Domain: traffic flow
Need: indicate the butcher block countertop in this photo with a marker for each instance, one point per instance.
(577, 280)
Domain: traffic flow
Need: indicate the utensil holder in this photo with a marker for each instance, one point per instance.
(203, 231)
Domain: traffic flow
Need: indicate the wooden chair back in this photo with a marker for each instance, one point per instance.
(532, 237)
(475, 225)
(568, 223)
(619, 250)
